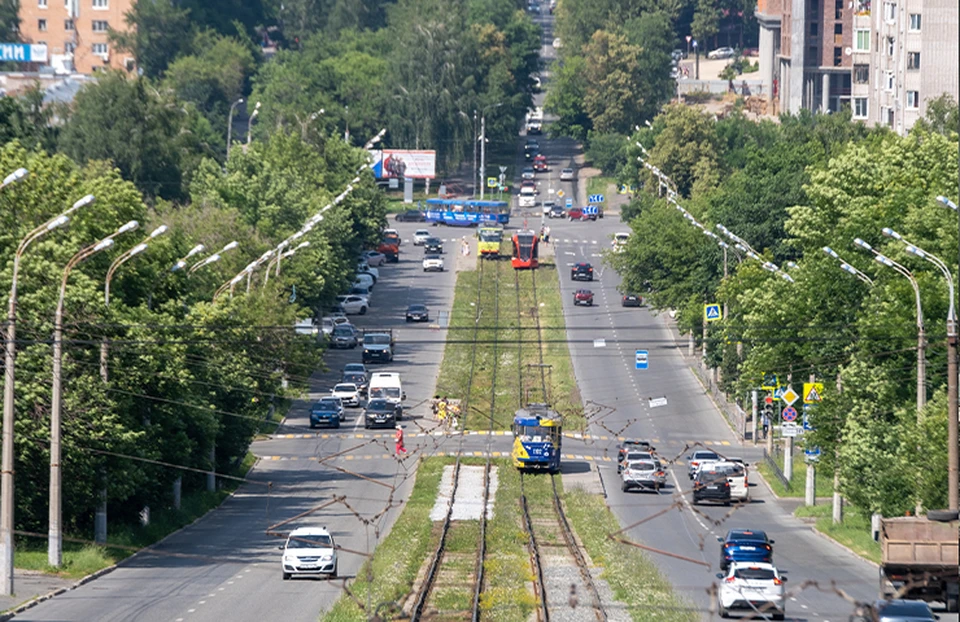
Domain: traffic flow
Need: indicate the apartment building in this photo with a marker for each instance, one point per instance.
(75, 32)
(884, 61)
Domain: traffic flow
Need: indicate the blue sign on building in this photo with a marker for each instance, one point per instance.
(23, 52)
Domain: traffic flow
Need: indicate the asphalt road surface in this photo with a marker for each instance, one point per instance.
(225, 566)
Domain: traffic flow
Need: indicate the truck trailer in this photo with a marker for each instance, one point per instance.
(919, 559)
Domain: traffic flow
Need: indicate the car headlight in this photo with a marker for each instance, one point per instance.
(326, 558)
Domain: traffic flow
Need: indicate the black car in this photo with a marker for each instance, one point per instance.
(531, 151)
(581, 272)
(556, 212)
(411, 215)
(356, 378)
(432, 246)
(631, 300)
(711, 485)
(418, 313)
(745, 545)
(381, 413)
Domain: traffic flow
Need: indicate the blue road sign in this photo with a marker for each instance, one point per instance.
(569, 202)
(711, 313)
(595, 198)
(789, 414)
(812, 454)
(778, 393)
(807, 409)
(591, 209)
(642, 362)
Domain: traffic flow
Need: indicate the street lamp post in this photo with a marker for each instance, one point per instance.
(233, 107)
(483, 144)
(55, 534)
(256, 111)
(280, 256)
(7, 495)
(206, 261)
(953, 455)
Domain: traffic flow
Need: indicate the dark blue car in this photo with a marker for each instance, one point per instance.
(745, 545)
(327, 411)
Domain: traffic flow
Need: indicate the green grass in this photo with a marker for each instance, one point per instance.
(823, 483)
(390, 573)
(853, 532)
(599, 185)
(499, 352)
(80, 559)
(633, 577)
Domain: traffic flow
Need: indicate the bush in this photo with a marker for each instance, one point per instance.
(606, 152)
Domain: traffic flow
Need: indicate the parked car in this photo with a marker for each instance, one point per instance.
(374, 258)
(528, 172)
(363, 279)
(381, 413)
(582, 271)
(701, 455)
(642, 474)
(411, 215)
(420, 236)
(326, 411)
(583, 297)
(327, 326)
(631, 300)
(566, 174)
(574, 213)
(344, 336)
(711, 485)
(433, 246)
(753, 586)
(309, 551)
(678, 54)
(432, 263)
(745, 545)
(365, 268)
(556, 212)
(352, 305)
(348, 393)
(720, 53)
(418, 313)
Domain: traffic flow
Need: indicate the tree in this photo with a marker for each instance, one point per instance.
(687, 150)
(566, 99)
(706, 22)
(943, 115)
(158, 31)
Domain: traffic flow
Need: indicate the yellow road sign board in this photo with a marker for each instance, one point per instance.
(790, 396)
(812, 392)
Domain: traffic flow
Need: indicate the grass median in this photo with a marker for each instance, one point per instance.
(823, 482)
(853, 532)
(505, 369)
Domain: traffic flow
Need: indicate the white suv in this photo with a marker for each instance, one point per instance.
(309, 551)
(420, 236)
(752, 586)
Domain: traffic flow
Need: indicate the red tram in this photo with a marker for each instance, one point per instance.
(525, 250)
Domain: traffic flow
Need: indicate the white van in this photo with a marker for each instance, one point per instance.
(386, 385)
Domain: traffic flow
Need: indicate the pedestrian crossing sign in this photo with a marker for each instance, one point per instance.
(712, 313)
(812, 392)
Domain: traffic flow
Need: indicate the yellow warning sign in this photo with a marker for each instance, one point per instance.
(812, 392)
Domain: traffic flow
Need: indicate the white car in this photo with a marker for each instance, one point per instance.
(557, 43)
(752, 586)
(432, 263)
(566, 174)
(348, 393)
(724, 52)
(309, 551)
(374, 258)
(736, 473)
(366, 269)
(420, 236)
(327, 325)
(364, 280)
(352, 305)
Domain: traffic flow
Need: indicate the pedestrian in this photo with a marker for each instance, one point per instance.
(442, 409)
(546, 235)
(766, 425)
(399, 437)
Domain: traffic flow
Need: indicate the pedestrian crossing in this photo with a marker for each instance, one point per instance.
(507, 433)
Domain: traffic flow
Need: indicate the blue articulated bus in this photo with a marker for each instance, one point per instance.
(537, 438)
(466, 212)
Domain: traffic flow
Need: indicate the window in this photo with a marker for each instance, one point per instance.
(41, 4)
(838, 34)
(915, 20)
(100, 49)
(889, 113)
(69, 48)
(837, 57)
(68, 24)
(859, 107)
(861, 74)
(861, 40)
(814, 28)
(913, 60)
(838, 10)
(888, 81)
(891, 46)
(42, 25)
(100, 25)
(890, 11)
(101, 4)
(813, 56)
(913, 99)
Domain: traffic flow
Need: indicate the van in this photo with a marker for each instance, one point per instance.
(527, 200)
(386, 385)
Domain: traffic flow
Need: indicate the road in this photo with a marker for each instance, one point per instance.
(225, 566)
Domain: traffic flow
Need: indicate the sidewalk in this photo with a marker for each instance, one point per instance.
(30, 584)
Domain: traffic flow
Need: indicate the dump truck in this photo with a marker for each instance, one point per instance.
(919, 559)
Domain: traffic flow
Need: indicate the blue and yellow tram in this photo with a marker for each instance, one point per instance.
(525, 250)
(537, 439)
(466, 212)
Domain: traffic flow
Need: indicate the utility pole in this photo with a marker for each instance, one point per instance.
(756, 412)
(810, 490)
(483, 152)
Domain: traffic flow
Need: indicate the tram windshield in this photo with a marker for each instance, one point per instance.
(491, 235)
(534, 433)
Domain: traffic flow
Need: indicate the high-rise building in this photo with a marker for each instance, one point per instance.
(884, 61)
(75, 32)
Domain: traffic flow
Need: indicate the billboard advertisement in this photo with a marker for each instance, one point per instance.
(400, 163)
(23, 52)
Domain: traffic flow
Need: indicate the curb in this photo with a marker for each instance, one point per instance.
(844, 547)
(30, 604)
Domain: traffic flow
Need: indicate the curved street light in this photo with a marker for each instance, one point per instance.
(280, 256)
(233, 107)
(846, 267)
(212, 258)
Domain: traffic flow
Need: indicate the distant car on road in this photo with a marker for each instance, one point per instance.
(348, 393)
(711, 485)
(411, 215)
(556, 211)
(418, 313)
(326, 411)
(574, 213)
(355, 368)
(420, 236)
(528, 173)
(309, 551)
(381, 413)
(720, 53)
(566, 174)
(899, 611)
(356, 378)
(701, 455)
(678, 54)
(432, 263)
(631, 300)
(632, 444)
(583, 297)
(540, 163)
(745, 545)
(344, 336)
(433, 246)
(582, 271)
(753, 586)
(641, 474)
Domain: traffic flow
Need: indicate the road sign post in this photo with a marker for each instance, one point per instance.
(641, 359)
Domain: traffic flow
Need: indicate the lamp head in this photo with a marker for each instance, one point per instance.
(85, 201)
(913, 250)
(884, 260)
(890, 233)
(158, 231)
(947, 202)
(199, 248)
(103, 245)
(791, 264)
(849, 268)
(15, 176)
(302, 245)
(129, 226)
(787, 277)
(58, 222)
(230, 246)
(859, 242)
(136, 250)
(180, 265)
(832, 253)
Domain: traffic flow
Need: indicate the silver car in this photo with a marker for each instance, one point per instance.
(642, 474)
(566, 174)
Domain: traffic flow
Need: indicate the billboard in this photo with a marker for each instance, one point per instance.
(23, 52)
(400, 163)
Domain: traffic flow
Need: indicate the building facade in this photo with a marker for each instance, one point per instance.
(76, 32)
(884, 61)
